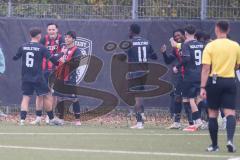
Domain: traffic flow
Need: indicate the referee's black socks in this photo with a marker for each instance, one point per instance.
(231, 125)
(213, 130)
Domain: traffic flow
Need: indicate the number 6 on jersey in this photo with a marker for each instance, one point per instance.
(29, 59)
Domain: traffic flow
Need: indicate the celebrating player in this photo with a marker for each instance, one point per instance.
(53, 41)
(140, 52)
(178, 36)
(71, 51)
(32, 54)
(192, 61)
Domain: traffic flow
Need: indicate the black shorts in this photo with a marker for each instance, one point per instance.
(222, 94)
(73, 91)
(40, 88)
(178, 86)
(190, 89)
(136, 81)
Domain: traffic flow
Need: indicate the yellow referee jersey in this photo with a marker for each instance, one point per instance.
(223, 55)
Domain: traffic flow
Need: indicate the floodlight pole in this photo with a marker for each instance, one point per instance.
(203, 9)
(134, 9)
(9, 8)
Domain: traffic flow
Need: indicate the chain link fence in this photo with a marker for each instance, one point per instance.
(124, 9)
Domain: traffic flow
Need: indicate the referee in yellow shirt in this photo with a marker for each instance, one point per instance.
(218, 83)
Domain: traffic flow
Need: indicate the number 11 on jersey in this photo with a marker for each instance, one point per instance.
(142, 54)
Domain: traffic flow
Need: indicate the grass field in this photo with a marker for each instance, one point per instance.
(106, 143)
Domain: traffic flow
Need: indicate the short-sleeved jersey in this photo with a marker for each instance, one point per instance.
(192, 60)
(54, 46)
(223, 55)
(141, 51)
(32, 54)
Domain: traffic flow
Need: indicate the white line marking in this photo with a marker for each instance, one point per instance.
(116, 152)
(110, 134)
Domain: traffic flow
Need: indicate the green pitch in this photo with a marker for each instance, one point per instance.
(104, 143)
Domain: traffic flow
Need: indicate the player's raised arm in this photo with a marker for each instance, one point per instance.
(168, 58)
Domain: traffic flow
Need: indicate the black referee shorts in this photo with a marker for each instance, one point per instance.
(222, 94)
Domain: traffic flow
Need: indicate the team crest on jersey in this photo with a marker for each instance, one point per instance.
(85, 46)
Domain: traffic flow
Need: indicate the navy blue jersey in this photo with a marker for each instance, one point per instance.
(32, 54)
(192, 60)
(141, 51)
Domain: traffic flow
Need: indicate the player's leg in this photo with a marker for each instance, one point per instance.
(202, 108)
(228, 104)
(46, 76)
(42, 90)
(224, 120)
(76, 111)
(39, 108)
(48, 104)
(213, 129)
(27, 89)
(214, 95)
(177, 112)
(24, 108)
(186, 104)
(138, 110)
(193, 90)
(139, 106)
(60, 107)
(177, 105)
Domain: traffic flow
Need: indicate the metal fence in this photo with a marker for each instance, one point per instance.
(131, 9)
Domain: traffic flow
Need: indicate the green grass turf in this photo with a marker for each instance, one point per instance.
(117, 139)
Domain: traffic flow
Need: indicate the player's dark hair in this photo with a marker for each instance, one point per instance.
(178, 30)
(72, 34)
(51, 23)
(190, 29)
(207, 36)
(223, 26)
(199, 35)
(35, 31)
(135, 28)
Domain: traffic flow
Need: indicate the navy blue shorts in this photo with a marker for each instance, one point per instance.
(178, 86)
(28, 88)
(135, 81)
(190, 89)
